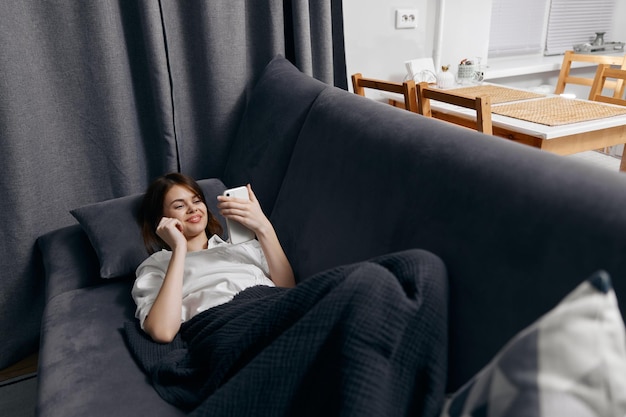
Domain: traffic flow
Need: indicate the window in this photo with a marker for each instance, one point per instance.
(547, 26)
(517, 27)
(574, 22)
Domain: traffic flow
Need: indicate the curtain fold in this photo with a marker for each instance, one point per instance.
(152, 34)
(70, 133)
(314, 51)
(98, 98)
(215, 47)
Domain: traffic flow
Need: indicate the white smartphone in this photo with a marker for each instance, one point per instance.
(237, 232)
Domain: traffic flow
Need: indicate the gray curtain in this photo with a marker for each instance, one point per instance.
(99, 97)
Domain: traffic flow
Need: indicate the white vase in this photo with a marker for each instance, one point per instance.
(445, 79)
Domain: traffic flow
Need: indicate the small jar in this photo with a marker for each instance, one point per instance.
(445, 79)
(466, 73)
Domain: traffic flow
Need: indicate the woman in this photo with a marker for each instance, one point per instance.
(367, 338)
(195, 269)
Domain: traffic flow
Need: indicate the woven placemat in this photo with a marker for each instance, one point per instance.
(497, 93)
(556, 111)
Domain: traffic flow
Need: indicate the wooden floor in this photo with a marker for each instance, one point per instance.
(26, 366)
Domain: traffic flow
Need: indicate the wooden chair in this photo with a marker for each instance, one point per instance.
(571, 56)
(600, 81)
(617, 76)
(481, 104)
(407, 89)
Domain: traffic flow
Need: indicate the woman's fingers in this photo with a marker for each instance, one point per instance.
(246, 212)
(170, 230)
(167, 223)
(251, 194)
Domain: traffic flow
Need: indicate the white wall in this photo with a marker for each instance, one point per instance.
(466, 27)
(375, 48)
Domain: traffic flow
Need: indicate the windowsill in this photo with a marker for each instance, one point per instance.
(530, 64)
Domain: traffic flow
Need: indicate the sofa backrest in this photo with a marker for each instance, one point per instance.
(517, 228)
(275, 112)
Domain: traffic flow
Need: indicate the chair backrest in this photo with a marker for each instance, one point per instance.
(481, 104)
(566, 66)
(406, 88)
(600, 81)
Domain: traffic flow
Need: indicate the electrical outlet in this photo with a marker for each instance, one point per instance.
(406, 18)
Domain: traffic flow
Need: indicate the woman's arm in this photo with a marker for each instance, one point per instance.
(280, 268)
(163, 321)
(250, 214)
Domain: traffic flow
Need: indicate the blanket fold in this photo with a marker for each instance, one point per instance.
(367, 339)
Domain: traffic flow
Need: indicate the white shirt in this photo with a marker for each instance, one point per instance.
(211, 277)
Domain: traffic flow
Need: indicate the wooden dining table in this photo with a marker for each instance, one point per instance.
(553, 123)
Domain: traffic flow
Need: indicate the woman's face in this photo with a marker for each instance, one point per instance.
(183, 204)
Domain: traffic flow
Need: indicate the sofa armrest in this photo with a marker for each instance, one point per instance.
(69, 260)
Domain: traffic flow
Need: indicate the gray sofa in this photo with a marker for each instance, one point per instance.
(343, 179)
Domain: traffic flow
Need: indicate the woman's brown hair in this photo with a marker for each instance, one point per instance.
(151, 210)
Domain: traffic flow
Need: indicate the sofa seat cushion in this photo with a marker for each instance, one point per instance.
(85, 368)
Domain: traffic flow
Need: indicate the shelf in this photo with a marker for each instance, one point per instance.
(607, 48)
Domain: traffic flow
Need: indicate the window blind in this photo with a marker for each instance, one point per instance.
(573, 22)
(517, 27)
(547, 26)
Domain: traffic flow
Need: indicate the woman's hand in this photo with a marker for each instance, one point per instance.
(171, 231)
(246, 212)
(250, 214)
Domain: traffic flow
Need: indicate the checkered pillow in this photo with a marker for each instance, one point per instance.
(571, 362)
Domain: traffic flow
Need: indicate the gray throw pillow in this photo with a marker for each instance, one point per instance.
(114, 232)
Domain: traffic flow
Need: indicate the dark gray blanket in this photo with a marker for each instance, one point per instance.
(367, 339)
